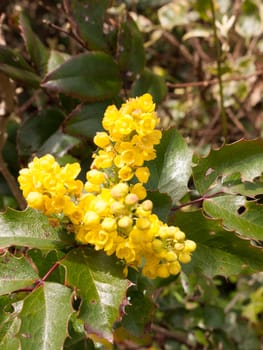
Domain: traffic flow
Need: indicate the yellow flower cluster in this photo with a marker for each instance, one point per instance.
(110, 211)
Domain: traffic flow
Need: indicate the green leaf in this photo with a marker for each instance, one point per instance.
(87, 18)
(9, 325)
(88, 76)
(245, 218)
(152, 83)
(86, 119)
(138, 313)
(171, 170)
(32, 229)
(245, 157)
(131, 57)
(98, 280)
(58, 144)
(218, 252)
(55, 59)
(37, 129)
(44, 261)
(161, 204)
(38, 52)
(44, 317)
(15, 273)
(14, 65)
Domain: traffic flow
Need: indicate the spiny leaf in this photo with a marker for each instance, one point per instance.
(245, 218)
(15, 273)
(44, 317)
(9, 324)
(219, 252)
(171, 170)
(98, 280)
(245, 157)
(88, 76)
(32, 229)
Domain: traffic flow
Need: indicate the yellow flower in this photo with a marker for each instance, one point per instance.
(142, 174)
(125, 173)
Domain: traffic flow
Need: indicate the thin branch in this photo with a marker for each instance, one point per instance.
(197, 200)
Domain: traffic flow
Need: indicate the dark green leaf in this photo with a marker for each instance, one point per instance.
(171, 170)
(31, 228)
(15, 273)
(37, 129)
(152, 83)
(245, 218)
(138, 315)
(99, 281)
(219, 252)
(86, 119)
(161, 204)
(87, 18)
(14, 65)
(245, 157)
(44, 317)
(45, 260)
(38, 52)
(89, 76)
(131, 50)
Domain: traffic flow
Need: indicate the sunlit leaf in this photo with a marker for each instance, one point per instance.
(171, 170)
(219, 252)
(15, 273)
(44, 317)
(245, 157)
(235, 213)
(99, 282)
(31, 228)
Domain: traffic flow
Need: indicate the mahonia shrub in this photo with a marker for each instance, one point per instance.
(110, 210)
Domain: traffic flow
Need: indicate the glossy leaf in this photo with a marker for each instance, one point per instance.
(38, 52)
(14, 65)
(37, 129)
(44, 317)
(131, 56)
(58, 144)
(87, 17)
(245, 157)
(99, 282)
(32, 229)
(86, 119)
(219, 252)
(152, 83)
(15, 273)
(171, 170)
(9, 325)
(235, 213)
(88, 76)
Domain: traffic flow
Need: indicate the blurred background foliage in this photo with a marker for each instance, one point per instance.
(203, 63)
